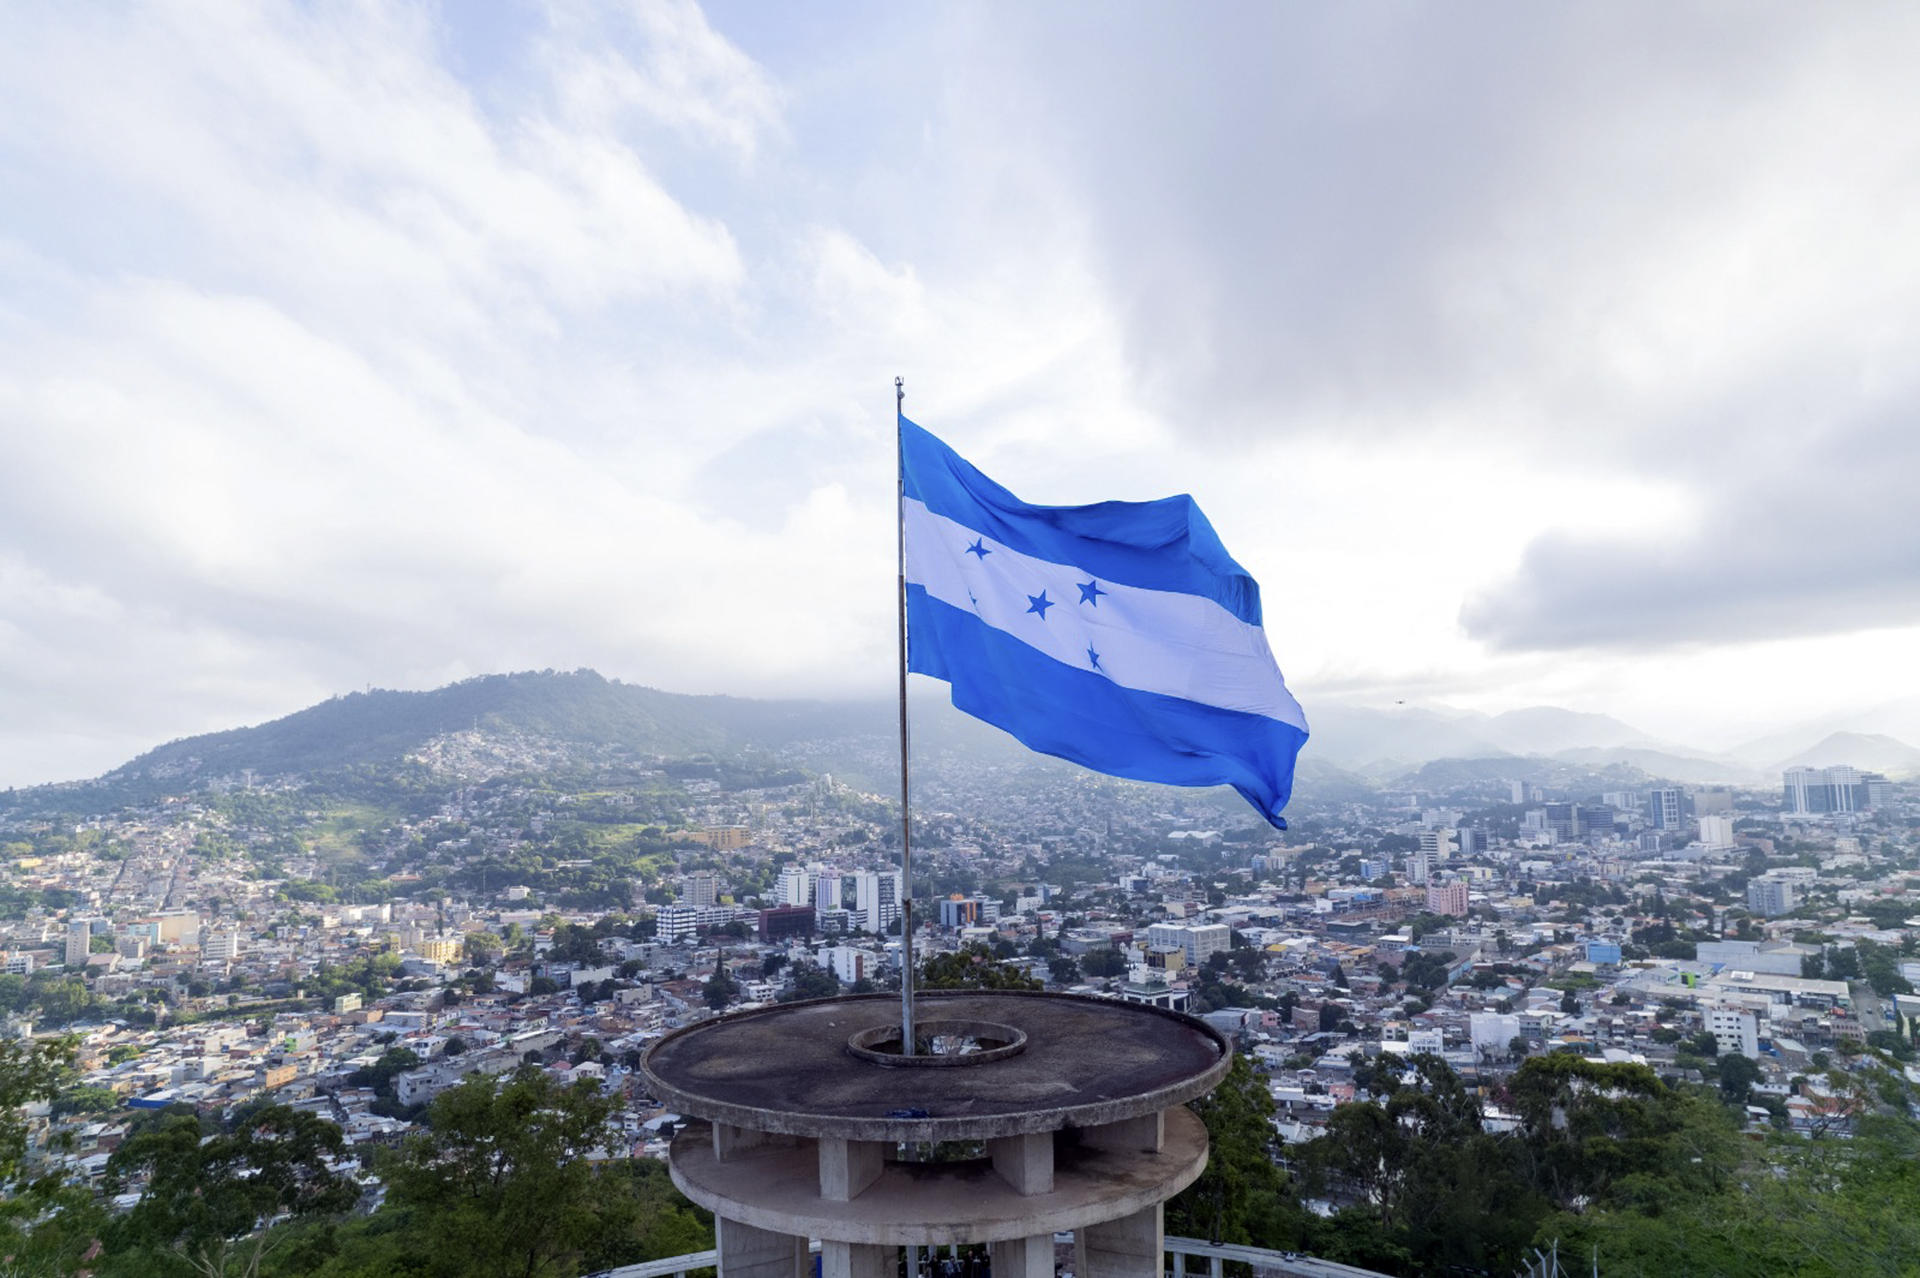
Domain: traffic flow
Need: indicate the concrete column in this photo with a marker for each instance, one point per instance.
(1145, 1134)
(747, 1252)
(729, 1140)
(1130, 1247)
(855, 1260)
(847, 1167)
(1024, 1162)
(1023, 1257)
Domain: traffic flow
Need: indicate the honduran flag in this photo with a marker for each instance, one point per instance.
(1120, 636)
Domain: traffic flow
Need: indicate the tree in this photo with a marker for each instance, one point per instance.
(29, 1071)
(1738, 1074)
(1062, 970)
(973, 967)
(1103, 963)
(498, 1184)
(808, 980)
(1242, 1196)
(212, 1199)
(720, 989)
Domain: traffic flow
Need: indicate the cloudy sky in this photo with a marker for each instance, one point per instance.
(1525, 353)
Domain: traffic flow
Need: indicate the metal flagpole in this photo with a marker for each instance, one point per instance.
(906, 821)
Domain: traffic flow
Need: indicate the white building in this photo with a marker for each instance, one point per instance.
(1735, 1030)
(1768, 896)
(673, 924)
(1716, 832)
(221, 947)
(795, 886)
(876, 901)
(849, 964)
(1492, 1032)
(1196, 941)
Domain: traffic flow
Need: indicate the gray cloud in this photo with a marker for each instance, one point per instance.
(1815, 535)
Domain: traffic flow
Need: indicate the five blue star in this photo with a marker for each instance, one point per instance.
(1039, 603)
(1094, 657)
(1090, 592)
(978, 548)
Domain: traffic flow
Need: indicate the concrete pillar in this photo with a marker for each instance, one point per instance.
(1023, 1257)
(1216, 1267)
(1145, 1134)
(729, 1140)
(747, 1252)
(855, 1260)
(1130, 1247)
(1024, 1162)
(847, 1167)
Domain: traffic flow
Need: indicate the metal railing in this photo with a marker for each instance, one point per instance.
(1280, 1264)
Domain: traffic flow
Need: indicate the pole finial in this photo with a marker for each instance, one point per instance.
(899, 391)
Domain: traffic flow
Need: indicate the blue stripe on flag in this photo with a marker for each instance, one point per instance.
(1082, 716)
(1160, 545)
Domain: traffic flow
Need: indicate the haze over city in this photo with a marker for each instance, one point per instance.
(1525, 355)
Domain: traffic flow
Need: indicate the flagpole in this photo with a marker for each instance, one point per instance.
(906, 822)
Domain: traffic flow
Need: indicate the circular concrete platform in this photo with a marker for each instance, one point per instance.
(777, 1188)
(1086, 1062)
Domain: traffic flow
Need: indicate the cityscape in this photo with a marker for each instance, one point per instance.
(355, 945)
(1098, 639)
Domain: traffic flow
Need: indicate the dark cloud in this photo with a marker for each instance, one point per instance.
(1819, 535)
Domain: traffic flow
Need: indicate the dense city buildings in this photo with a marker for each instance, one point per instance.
(359, 957)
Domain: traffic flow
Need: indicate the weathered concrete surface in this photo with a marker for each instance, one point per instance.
(1087, 1062)
(777, 1188)
(1129, 1247)
(856, 1260)
(1023, 1257)
(746, 1252)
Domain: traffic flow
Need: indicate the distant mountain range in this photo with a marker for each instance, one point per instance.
(1353, 748)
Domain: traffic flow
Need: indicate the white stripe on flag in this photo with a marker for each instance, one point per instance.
(1160, 641)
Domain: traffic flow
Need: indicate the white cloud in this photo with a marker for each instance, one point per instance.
(345, 346)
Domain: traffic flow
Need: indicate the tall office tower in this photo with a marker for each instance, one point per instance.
(1437, 844)
(1835, 790)
(79, 941)
(1666, 808)
(700, 889)
(877, 899)
(1419, 866)
(795, 886)
(1769, 897)
(1716, 831)
(829, 891)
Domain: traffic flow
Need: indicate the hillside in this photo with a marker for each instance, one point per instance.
(580, 708)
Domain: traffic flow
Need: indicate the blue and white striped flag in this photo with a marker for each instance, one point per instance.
(1120, 635)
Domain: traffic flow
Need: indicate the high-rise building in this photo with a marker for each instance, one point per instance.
(1831, 791)
(1716, 831)
(1419, 867)
(876, 901)
(700, 889)
(1447, 898)
(79, 941)
(1666, 808)
(795, 886)
(1767, 896)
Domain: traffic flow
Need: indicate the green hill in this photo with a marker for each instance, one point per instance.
(580, 708)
